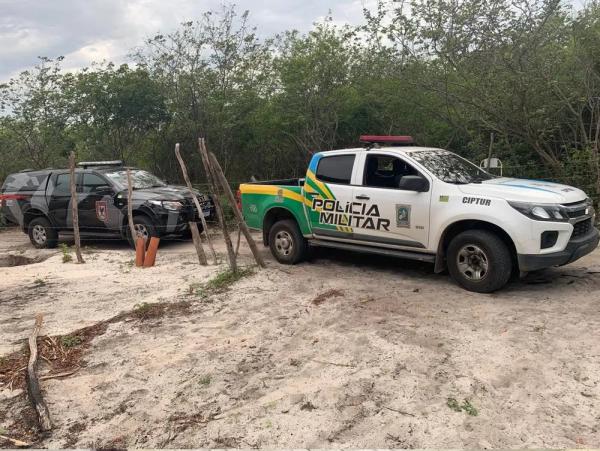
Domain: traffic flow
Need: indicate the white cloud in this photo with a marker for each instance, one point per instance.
(95, 30)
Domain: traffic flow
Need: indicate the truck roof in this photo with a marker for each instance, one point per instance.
(399, 149)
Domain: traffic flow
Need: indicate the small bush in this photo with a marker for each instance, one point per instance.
(70, 341)
(66, 253)
(220, 282)
(453, 404)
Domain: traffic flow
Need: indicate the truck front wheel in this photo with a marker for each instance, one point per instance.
(479, 261)
(287, 244)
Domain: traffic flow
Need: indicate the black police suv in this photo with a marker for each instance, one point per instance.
(40, 202)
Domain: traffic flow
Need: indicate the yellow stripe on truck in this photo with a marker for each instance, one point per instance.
(273, 191)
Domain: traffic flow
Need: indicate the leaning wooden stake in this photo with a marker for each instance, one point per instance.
(33, 385)
(211, 177)
(198, 243)
(200, 214)
(130, 207)
(238, 214)
(74, 209)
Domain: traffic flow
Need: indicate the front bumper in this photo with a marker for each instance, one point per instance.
(575, 249)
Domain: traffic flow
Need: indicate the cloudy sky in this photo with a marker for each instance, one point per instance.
(94, 30)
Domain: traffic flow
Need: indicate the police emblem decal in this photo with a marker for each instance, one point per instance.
(403, 216)
(102, 210)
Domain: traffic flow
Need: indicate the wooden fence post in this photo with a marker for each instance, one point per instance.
(238, 214)
(210, 176)
(199, 248)
(130, 206)
(74, 209)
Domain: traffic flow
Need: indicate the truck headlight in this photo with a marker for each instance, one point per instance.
(541, 212)
(167, 204)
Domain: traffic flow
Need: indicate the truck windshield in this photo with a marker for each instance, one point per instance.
(139, 179)
(450, 168)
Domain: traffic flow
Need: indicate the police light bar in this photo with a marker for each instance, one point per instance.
(87, 164)
(386, 139)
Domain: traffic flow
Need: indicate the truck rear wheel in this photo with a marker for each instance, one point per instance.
(287, 244)
(479, 261)
(41, 233)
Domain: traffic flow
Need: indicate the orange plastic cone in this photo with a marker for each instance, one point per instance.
(151, 253)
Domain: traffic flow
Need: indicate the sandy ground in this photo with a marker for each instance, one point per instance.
(262, 365)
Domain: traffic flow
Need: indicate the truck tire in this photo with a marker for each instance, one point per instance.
(41, 233)
(145, 226)
(287, 244)
(478, 260)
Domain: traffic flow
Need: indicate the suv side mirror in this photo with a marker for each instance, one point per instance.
(414, 183)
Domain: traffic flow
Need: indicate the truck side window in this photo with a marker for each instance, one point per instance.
(336, 169)
(384, 171)
(93, 183)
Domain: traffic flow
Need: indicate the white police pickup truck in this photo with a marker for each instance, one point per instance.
(391, 197)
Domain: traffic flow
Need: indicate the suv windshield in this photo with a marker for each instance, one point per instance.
(449, 167)
(139, 179)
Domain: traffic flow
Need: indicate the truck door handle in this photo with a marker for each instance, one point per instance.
(363, 197)
(312, 194)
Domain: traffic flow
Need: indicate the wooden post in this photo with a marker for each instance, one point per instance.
(198, 243)
(130, 207)
(150, 257)
(238, 214)
(74, 209)
(210, 176)
(140, 251)
(200, 214)
(33, 385)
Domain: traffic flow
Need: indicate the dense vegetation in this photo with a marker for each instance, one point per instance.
(449, 72)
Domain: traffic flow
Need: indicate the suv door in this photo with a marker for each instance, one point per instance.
(329, 191)
(59, 200)
(404, 215)
(95, 201)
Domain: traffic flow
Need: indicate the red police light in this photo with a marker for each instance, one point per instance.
(386, 139)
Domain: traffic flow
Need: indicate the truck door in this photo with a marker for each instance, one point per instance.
(329, 191)
(59, 200)
(393, 216)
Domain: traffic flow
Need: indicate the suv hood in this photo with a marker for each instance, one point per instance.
(523, 190)
(169, 192)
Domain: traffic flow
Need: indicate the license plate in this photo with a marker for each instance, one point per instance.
(9, 202)
(206, 213)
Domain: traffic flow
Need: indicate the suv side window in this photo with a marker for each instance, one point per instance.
(62, 185)
(93, 183)
(385, 171)
(336, 169)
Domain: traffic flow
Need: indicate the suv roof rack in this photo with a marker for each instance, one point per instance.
(373, 140)
(89, 164)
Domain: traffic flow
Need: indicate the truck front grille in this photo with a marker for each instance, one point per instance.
(576, 209)
(581, 228)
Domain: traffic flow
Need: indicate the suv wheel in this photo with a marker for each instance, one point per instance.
(287, 244)
(41, 233)
(144, 227)
(479, 261)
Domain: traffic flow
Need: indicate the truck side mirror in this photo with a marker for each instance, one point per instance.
(414, 183)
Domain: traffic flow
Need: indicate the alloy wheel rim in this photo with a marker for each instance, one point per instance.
(472, 262)
(141, 231)
(284, 243)
(39, 234)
